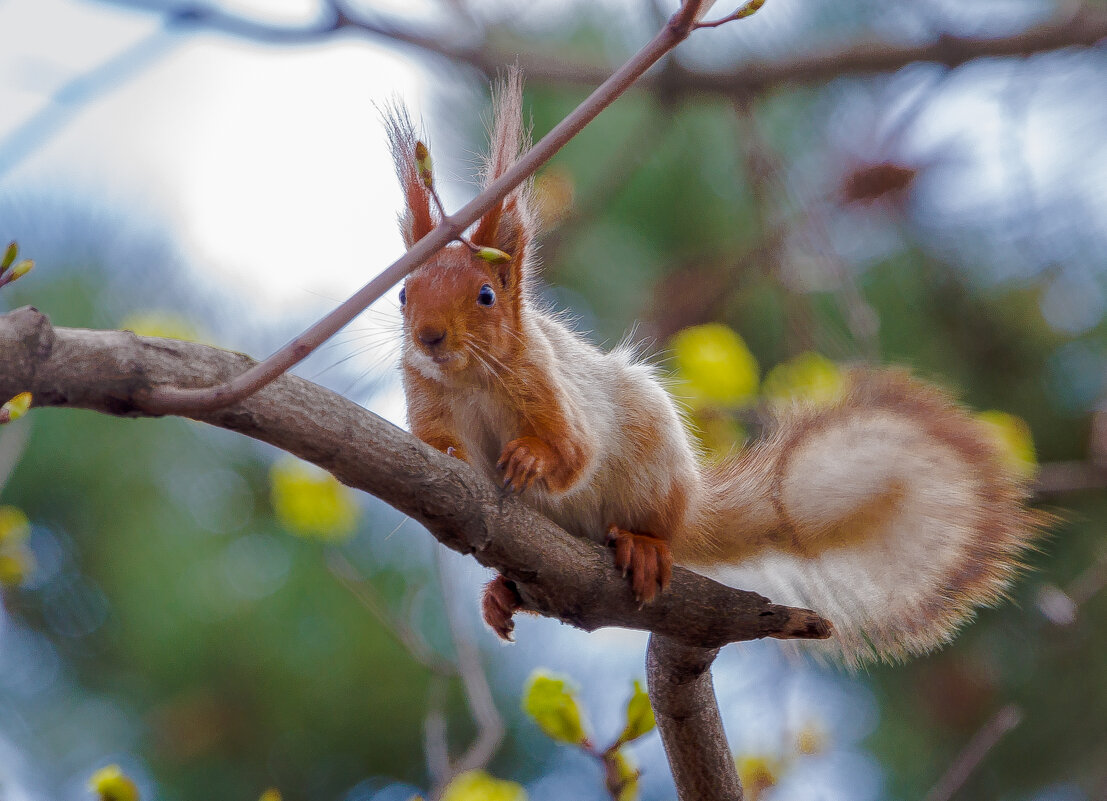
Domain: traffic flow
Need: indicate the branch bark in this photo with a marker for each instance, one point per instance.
(558, 575)
(687, 713)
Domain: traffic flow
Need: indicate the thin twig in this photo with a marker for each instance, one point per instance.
(177, 400)
(478, 693)
(985, 739)
(435, 745)
(13, 442)
(400, 630)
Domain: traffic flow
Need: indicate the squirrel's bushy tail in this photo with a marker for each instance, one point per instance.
(891, 512)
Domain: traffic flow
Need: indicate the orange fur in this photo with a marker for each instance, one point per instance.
(890, 512)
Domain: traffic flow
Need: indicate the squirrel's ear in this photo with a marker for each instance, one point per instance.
(509, 225)
(418, 218)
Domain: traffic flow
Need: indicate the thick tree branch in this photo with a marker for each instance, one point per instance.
(687, 712)
(558, 575)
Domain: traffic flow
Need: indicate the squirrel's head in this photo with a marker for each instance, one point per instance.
(462, 314)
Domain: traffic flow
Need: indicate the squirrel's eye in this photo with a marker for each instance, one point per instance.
(486, 297)
(403, 296)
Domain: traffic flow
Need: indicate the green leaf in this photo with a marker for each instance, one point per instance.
(476, 785)
(1013, 439)
(112, 784)
(493, 255)
(9, 256)
(640, 718)
(808, 378)
(549, 700)
(626, 777)
(424, 165)
(749, 9)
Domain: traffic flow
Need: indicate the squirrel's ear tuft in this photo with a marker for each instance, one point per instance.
(418, 219)
(510, 225)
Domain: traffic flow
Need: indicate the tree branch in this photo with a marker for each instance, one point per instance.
(558, 575)
(1085, 28)
(687, 713)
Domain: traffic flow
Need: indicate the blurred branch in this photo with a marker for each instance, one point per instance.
(13, 442)
(1061, 478)
(1084, 28)
(401, 631)
(468, 668)
(478, 694)
(557, 575)
(77, 93)
(985, 739)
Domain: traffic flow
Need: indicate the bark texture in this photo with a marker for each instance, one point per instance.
(687, 713)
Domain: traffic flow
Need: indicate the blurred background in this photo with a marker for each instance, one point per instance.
(825, 183)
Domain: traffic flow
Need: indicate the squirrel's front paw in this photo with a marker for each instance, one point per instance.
(525, 461)
(646, 558)
(498, 605)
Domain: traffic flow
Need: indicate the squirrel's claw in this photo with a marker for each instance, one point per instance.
(498, 605)
(646, 558)
(522, 464)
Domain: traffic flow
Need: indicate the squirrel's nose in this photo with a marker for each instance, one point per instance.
(431, 336)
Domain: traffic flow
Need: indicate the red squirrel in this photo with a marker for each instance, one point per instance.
(891, 511)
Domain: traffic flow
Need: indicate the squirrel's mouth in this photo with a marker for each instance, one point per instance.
(447, 361)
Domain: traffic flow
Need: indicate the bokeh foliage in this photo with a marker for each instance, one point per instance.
(169, 588)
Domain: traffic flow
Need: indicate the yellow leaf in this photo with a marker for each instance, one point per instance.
(1013, 438)
(272, 794)
(757, 773)
(549, 700)
(10, 252)
(16, 563)
(111, 784)
(476, 785)
(21, 269)
(718, 432)
(640, 718)
(749, 9)
(15, 408)
(165, 324)
(14, 526)
(310, 502)
(626, 778)
(493, 255)
(423, 164)
(809, 378)
(811, 740)
(714, 367)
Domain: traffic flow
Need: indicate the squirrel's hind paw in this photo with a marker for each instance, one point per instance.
(646, 558)
(498, 605)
